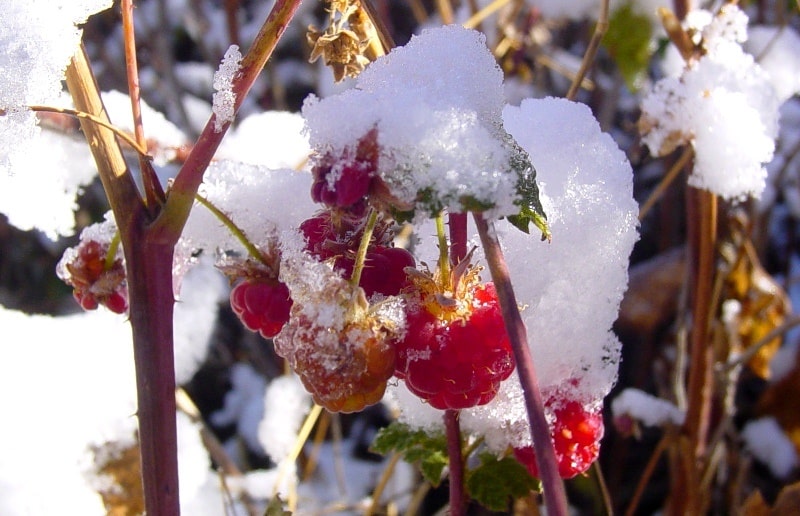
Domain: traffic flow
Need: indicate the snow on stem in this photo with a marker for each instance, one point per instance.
(553, 486)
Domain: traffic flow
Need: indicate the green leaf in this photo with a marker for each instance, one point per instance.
(416, 446)
(495, 483)
(530, 206)
(629, 41)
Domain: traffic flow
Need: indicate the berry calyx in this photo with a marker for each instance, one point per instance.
(95, 278)
(263, 306)
(456, 350)
(576, 436)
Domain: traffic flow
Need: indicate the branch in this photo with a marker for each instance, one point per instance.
(554, 493)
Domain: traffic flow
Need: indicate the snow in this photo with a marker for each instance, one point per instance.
(272, 139)
(723, 104)
(422, 116)
(36, 44)
(256, 199)
(224, 100)
(286, 403)
(580, 277)
(768, 443)
(244, 404)
(648, 409)
(775, 50)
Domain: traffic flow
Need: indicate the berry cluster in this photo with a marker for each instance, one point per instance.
(95, 279)
(576, 435)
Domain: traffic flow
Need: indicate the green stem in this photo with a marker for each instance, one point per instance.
(235, 230)
(111, 255)
(444, 250)
(361, 254)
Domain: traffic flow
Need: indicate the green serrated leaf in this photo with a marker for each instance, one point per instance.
(530, 206)
(629, 41)
(495, 483)
(415, 446)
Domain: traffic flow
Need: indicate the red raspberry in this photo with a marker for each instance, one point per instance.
(455, 354)
(344, 181)
(94, 282)
(333, 235)
(576, 436)
(262, 306)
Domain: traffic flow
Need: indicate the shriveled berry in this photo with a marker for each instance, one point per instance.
(94, 281)
(456, 361)
(576, 436)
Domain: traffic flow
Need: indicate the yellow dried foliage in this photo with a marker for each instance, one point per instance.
(119, 466)
(761, 303)
(787, 503)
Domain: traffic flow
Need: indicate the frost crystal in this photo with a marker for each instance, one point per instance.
(723, 104)
(440, 135)
(224, 99)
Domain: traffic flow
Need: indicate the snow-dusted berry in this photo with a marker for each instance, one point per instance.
(576, 436)
(95, 279)
(456, 350)
(342, 181)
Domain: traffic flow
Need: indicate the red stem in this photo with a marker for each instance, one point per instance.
(552, 484)
(149, 269)
(456, 463)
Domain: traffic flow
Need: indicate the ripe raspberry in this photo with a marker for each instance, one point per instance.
(456, 352)
(344, 181)
(576, 436)
(262, 306)
(333, 235)
(94, 283)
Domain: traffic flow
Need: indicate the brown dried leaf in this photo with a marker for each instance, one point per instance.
(120, 464)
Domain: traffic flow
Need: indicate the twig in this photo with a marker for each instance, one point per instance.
(484, 13)
(646, 474)
(382, 483)
(554, 493)
(591, 51)
(102, 122)
(666, 181)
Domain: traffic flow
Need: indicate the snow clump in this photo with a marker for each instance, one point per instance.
(224, 100)
(723, 103)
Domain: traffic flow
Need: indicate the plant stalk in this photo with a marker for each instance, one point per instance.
(554, 493)
(456, 463)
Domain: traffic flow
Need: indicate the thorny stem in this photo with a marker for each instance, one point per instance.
(591, 51)
(554, 493)
(235, 230)
(456, 462)
(181, 196)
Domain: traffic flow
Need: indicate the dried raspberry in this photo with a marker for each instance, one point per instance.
(455, 353)
(262, 306)
(576, 436)
(94, 281)
(345, 366)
